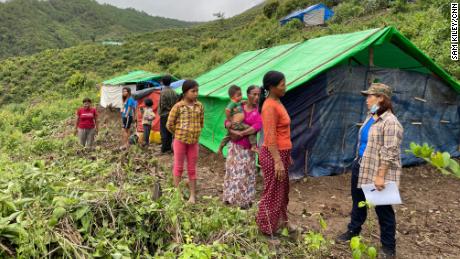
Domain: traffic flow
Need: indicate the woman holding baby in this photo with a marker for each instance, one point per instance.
(240, 166)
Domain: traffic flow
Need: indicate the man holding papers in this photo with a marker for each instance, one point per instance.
(378, 162)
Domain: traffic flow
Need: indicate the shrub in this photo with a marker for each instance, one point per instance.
(399, 6)
(167, 56)
(77, 82)
(209, 43)
(295, 24)
(345, 11)
(43, 146)
(271, 8)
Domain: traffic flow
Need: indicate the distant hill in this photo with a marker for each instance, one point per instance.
(30, 26)
(188, 52)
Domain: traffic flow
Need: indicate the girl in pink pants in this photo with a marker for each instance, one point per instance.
(185, 122)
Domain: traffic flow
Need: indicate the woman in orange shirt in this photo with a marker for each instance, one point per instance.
(275, 155)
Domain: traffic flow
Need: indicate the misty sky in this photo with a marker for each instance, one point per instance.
(188, 10)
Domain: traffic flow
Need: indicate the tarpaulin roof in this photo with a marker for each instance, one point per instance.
(302, 61)
(134, 77)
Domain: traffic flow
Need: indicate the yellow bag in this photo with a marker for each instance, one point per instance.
(155, 137)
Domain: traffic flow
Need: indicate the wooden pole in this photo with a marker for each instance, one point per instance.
(371, 65)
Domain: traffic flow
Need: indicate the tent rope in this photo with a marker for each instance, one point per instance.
(257, 67)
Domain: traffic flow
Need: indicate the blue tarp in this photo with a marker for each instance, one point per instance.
(177, 84)
(299, 14)
(326, 114)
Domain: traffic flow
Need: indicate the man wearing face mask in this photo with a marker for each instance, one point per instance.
(378, 161)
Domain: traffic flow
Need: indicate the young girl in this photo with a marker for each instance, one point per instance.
(147, 118)
(185, 122)
(127, 115)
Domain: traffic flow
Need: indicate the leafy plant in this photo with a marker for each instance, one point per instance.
(315, 242)
(360, 249)
(441, 160)
(271, 8)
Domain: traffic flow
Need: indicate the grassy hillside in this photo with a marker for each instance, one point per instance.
(30, 26)
(60, 202)
(189, 52)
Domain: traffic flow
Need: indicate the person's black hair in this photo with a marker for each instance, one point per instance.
(148, 102)
(271, 79)
(250, 88)
(129, 93)
(87, 100)
(233, 90)
(166, 80)
(188, 85)
(385, 105)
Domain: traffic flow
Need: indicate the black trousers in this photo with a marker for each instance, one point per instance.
(385, 213)
(166, 136)
(147, 129)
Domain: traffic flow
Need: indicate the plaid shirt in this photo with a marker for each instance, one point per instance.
(186, 122)
(383, 149)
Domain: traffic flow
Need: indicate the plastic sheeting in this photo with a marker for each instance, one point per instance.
(303, 61)
(327, 112)
(313, 63)
(305, 14)
(111, 95)
(155, 96)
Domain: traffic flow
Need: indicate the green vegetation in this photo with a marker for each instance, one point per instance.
(59, 202)
(440, 160)
(190, 52)
(30, 26)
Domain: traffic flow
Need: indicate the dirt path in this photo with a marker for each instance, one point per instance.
(428, 221)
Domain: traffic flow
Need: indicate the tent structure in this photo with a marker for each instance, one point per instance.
(324, 77)
(313, 15)
(137, 80)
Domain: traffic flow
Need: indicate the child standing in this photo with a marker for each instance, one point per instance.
(185, 122)
(147, 118)
(235, 116)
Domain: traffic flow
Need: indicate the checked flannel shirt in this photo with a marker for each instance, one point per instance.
(185, 122)
(383, 148)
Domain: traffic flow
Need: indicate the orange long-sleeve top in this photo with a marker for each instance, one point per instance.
(276, 124)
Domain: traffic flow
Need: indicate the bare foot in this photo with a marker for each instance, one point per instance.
(191, 200)
(291, 227)
(273, 241)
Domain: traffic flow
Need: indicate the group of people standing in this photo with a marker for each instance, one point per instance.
(378, 159)
(182, 119)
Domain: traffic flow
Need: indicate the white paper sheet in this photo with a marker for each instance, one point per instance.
(388, 196)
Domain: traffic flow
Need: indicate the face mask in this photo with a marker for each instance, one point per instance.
(374, 109)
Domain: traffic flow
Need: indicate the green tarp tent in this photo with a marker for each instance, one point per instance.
(303, 61)
(133, 77)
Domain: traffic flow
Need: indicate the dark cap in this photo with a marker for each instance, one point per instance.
(378, 89)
